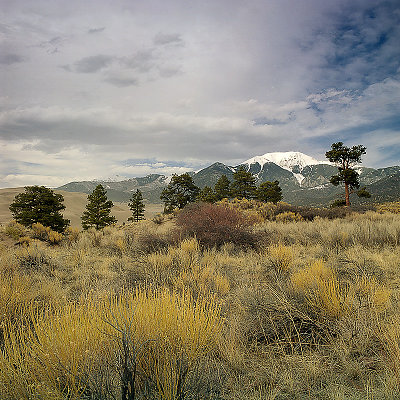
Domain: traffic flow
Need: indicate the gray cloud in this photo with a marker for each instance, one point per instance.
(167, 38)
(96, 30)
(10, 58)
(121, 81)
(142, 61)
(53, 45)
(93, 64)
(268, 121)
(168, 72)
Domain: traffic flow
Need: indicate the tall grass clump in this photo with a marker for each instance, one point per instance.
(321, 289)
(187, 267)
(79, 349)
(15, 230)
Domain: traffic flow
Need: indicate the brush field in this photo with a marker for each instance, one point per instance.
(254, 307)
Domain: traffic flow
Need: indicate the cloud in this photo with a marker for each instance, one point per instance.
(267, 121)
(53, 45)
(142, 61)
(162, 39)
(168, 72)
(96, 30)
(215, 81)
(121, 81)
(363, 44)
(93, 64)
(122, 71)
(10, 58)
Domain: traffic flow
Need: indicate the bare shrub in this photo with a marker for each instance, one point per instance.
(215, 225)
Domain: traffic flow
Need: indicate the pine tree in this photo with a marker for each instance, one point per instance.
(269, 191)
(179, 192)
(346, 158)
(222, 188)
(244, 184)
(136, 205)
(207, 195)
(39, 205)
(98, 210)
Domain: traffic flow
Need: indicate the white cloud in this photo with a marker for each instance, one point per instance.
(216, 81)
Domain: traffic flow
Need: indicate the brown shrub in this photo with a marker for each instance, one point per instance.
(214, 225)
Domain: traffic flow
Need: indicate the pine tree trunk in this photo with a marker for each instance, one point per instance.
(347, 193)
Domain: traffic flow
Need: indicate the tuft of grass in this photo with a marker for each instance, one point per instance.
(15, 230)
(281, 257)
(320, 286)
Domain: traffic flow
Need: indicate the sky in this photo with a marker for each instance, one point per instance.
(97, 89)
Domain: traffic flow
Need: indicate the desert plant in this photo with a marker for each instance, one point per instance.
(15, 230)
(281, 257)
(215, 225)
(63, 353)
(288, 216)
(321, 288)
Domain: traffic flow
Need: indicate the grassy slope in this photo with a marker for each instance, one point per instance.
(75, 205)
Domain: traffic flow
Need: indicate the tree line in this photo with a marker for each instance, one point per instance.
(39, 204)
(182, 190)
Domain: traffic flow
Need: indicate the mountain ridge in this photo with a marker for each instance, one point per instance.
(304, 180)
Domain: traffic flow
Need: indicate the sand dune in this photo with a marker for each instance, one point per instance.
(75, 204)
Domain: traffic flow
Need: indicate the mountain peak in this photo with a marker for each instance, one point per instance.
(286, 160)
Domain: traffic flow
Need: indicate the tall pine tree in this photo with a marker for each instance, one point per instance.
(207, 195)
(136, 205)
(269, 192)
(98, 210)
(179, 192)
(222, 188)
(345, 159)
(244, 184)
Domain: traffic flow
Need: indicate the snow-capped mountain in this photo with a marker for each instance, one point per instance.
(286, 160)
(304, 180)
(292, 161)
(114, 178)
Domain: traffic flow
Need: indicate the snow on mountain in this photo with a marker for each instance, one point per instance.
(287, 160)
(115, 178)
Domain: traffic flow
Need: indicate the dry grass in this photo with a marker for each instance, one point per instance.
(311, 312)
(60, 354)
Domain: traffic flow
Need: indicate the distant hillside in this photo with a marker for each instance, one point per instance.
(151, 187)
(303, 179)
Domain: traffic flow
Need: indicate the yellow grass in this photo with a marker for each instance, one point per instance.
(228, 326)
(63, 348)
(321, 288)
